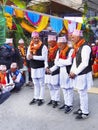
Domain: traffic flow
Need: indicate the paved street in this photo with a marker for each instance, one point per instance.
(96, 82)
(17, 114)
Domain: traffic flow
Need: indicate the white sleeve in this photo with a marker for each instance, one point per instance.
(46, 61)
(54, 68)
(55, 62)
(28, 53)
(73, 67)
(18, 78)
(68, 61)
(46, 58)
(43, 56)
(85, 56)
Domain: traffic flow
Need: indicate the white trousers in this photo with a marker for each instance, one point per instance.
(39, 88)
(54, 92)
(68, 96)
(7, 88)
(83, 95)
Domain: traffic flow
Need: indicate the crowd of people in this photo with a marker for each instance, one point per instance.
(14, 68)
(65, 64)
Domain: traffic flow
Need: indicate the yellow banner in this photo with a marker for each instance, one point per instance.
(27, 27)
(43, 24)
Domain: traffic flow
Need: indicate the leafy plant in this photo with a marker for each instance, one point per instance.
(86, 27)
(19, 3)
(2, 23)
(40, 7)
(17, 32)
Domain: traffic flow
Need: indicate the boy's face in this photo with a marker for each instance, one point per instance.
(10, 44)
(36, 39)
(22, 44)
(61, 46)
(51, 43)
(3, 71)
(75, 39)
(13, 69)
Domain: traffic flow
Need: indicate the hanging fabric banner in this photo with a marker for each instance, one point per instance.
(40, 21)
(66, 24)
(79, 25)
(9, 10)
(56, 24)
(43, 24)
(27, 27)
(8, 20)
(19, 13)
(71, 26)
(33, 18)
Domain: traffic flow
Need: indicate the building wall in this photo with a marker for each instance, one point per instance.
(70, 3)
(75, 4)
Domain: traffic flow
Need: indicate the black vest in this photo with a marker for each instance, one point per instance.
(37, 63)
(78, 61)
(51, 63)
(68, 67)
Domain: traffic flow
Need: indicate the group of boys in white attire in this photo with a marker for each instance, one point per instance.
(64, 79)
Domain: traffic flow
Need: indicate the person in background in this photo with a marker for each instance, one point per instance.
(4, 95)
(23, 51)
(96, 48)
(7, 52)
(37, 54)
(64, 61)
(81, 72)
(6, 82)
(95, 59)
(16, 76)
(52, 80)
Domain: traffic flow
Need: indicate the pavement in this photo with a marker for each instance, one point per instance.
(94, 89)
(17, 114)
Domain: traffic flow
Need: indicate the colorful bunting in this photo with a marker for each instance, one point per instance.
(66, 24)
(19, 13)
(79, 26)
(27, 27)
(43, 24)
(56, 24)
(33, 18)
(8, 20)
(71, 26)
(9, 10)
(40, 22)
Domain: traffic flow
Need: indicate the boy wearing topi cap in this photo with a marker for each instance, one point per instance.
(23, 51)
(37, 54)
(52, 81)
(81, 72)
(6, 81)
(64, 60)
(16, 76)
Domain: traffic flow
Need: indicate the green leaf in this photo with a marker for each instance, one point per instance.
(20, 4)
(4, 2)
(2, 30)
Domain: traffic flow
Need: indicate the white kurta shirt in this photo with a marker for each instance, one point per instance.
(85, 80)
(62, 63)
(39, 72)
